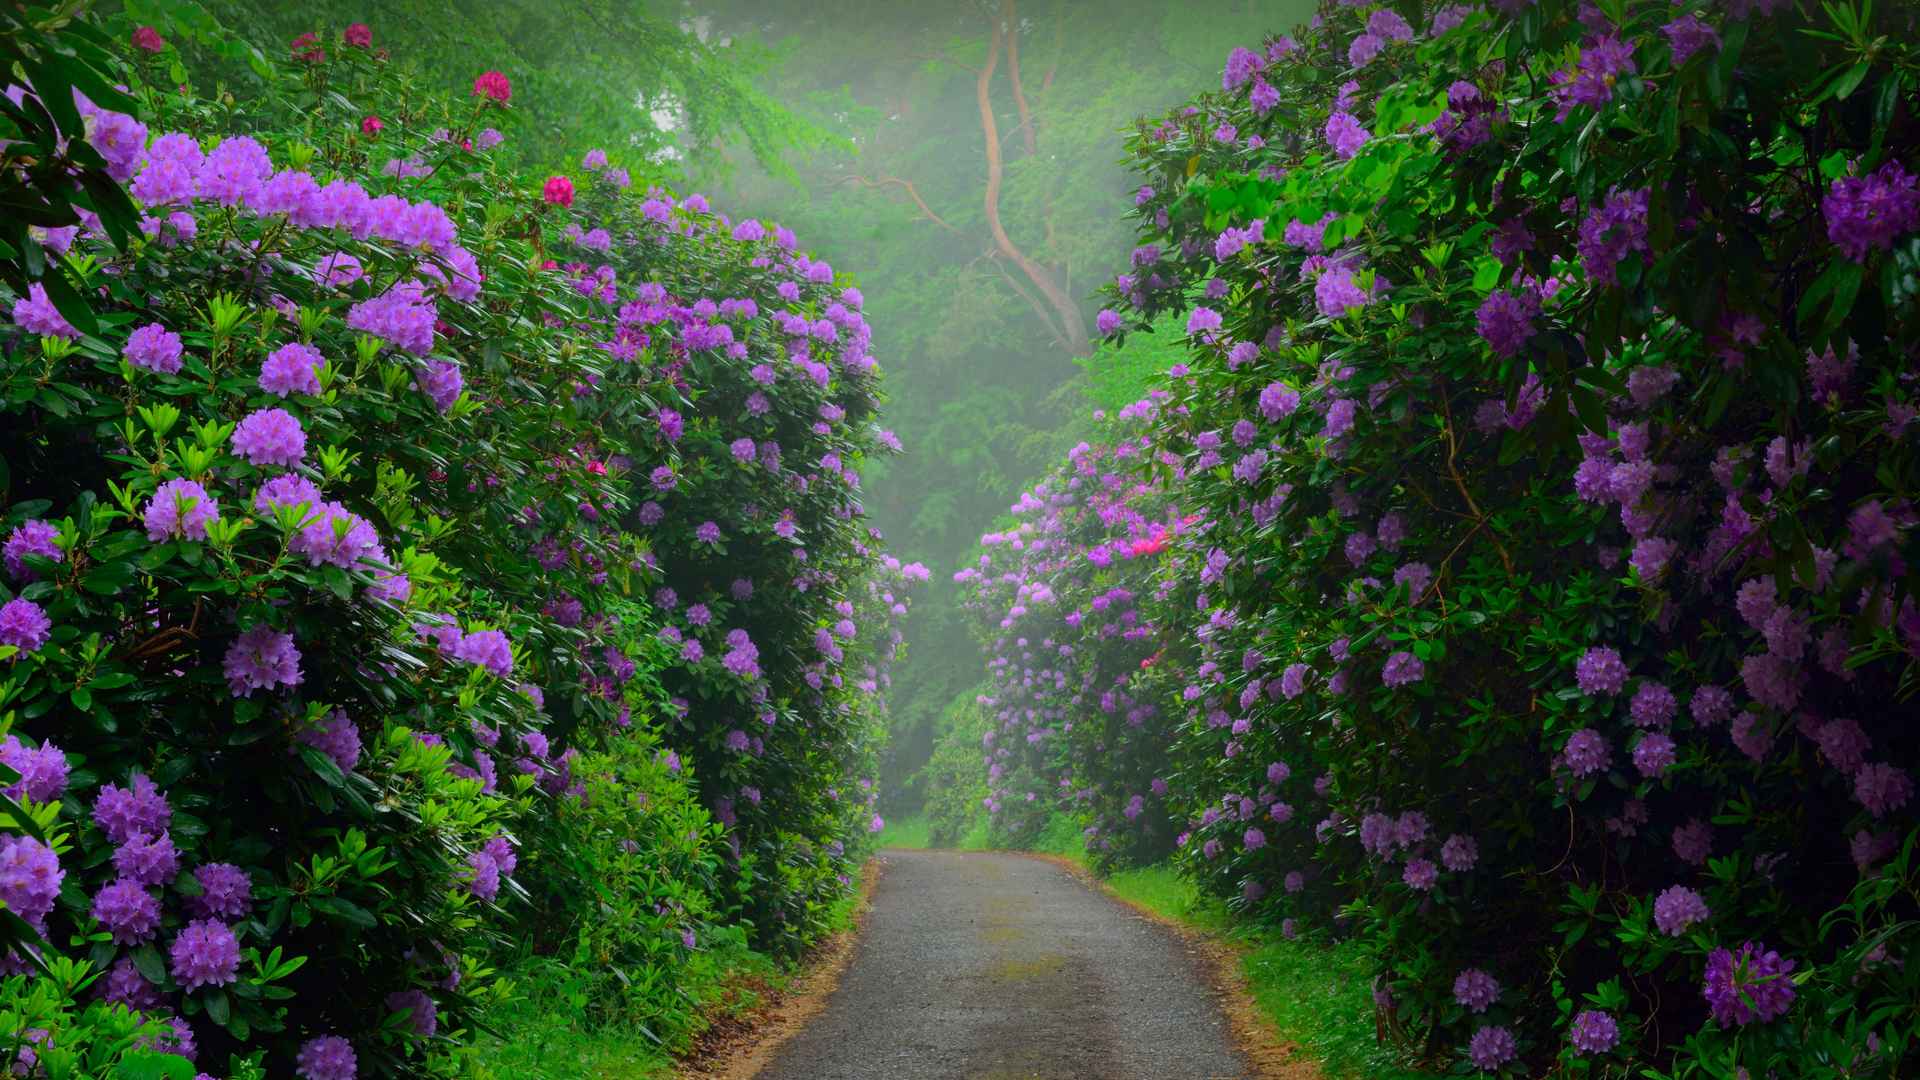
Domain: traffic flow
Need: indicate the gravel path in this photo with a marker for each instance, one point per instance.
(989, 966)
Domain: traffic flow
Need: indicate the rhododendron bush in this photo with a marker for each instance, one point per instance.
(1548, 434)
(386, 586)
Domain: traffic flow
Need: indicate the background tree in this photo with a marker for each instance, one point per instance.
(975, 183)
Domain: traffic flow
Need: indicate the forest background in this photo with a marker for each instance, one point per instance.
(972, 176)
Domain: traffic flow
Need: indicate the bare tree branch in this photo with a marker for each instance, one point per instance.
(912, 193)
(1010, 26)
(1066, 313)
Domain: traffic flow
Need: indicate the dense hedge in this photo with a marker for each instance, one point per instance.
(1547, 438)
(385, 590)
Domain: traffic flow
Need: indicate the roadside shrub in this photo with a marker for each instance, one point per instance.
(334, 630)
(1547, 421)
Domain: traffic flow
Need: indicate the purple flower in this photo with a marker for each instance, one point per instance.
(1420, 874)
(1688, 35)
(1586, 752)
(1610, 232)
(483, 875)
(1491, 1047)
(1107, 322)
(205, 954)
(225, 892)
(292, 368)
(1653, 706)
(1506, 320)
(1460, 853)
(422, 1016)
(1278, 401)
(154, 348)
(180, 509)
(24, 625)
(1254, 839)
(1203, 321)
(403, 316)
(30, 538)
(1693, 842)
(124, 985)
(1344, 134)
(1653, 754)
(441, 381)
(1600, 671)
(1594, 1032)
(1475, 989)
(234, 171)
(270, 437)
(336, 737)
(43, 770)
(36, 314)
(1678, 908)
(334, 535)
(1882, 788)
(1753, 984)
(133, 811)
(328, 1057)
(489, 649)
(261, 659)
(30, 877)
(1865, 213)
(1402, 668)
(128, 911)
(1711, 705)
(149, 860)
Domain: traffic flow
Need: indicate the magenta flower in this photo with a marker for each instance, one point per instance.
(494, 86)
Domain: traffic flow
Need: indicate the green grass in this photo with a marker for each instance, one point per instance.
(543, 1035)
(908, 832)
(1320, 997)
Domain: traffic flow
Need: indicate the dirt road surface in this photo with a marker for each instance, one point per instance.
(991, 966)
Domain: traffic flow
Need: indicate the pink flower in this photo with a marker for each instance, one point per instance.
(559, 191)
(359, 35)
(494, 86)
(146, 37)
(371, 125)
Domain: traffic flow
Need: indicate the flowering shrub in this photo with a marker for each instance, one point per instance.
(370, 578)
(1548, 430)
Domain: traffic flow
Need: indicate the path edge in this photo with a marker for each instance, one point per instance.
(1223, 961)
(741, 1047)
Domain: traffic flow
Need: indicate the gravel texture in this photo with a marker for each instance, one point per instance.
(992, 966)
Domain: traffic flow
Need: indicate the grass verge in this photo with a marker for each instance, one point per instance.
(544, 1033)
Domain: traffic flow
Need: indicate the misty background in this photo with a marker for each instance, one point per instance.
(877, 130)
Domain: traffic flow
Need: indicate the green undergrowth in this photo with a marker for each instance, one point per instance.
(543, 1033)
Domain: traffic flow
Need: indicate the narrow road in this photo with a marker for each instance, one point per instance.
(990, 966)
